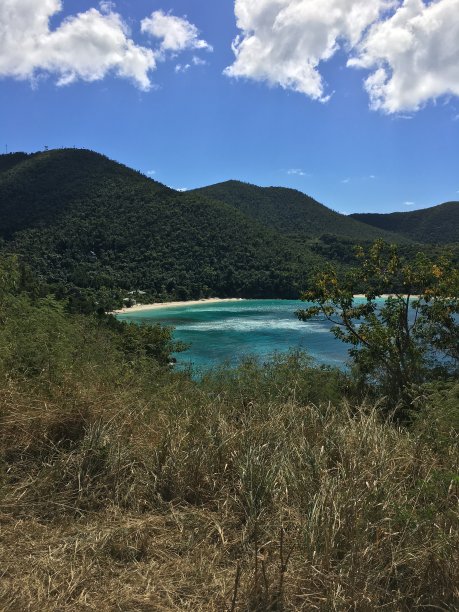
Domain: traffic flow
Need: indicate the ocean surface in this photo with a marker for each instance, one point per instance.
(228, 331)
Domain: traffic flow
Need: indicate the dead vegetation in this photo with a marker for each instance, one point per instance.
(221, 496)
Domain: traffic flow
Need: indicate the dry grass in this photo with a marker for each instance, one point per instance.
(186, 499)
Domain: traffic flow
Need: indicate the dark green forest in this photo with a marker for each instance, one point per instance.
(94, 230)
(83, 222)
(437, 224)
(292, 213)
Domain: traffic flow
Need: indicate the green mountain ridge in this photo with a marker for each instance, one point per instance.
(291, 212)
(82, 220)
(36, 189)
(437, 224)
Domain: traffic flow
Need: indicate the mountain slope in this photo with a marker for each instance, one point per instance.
(82, 220)
(39, 188)
(290, 212)
(438, 224)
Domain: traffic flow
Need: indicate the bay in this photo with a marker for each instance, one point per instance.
(229, 331)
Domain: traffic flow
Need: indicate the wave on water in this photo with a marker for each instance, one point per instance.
(226, 331)
(253, 325)
(222, 311)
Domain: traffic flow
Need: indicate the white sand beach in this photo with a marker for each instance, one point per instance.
(156, 305)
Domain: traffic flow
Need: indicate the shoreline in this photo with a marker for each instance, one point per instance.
(158, 305)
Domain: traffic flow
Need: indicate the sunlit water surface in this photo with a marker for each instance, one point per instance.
(228, 331)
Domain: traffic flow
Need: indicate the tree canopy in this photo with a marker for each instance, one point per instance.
(399, 340)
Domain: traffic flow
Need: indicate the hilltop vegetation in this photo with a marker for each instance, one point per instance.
(39, 190)
(96, 230)
(438, 224)
(80, 220)
(291, 212)
(9, 160)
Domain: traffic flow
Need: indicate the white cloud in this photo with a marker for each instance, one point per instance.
(409, 203)
(151, 172)
(296, 172)
(177, 33)
(411, 47)
(87, 46)
(346, 181)
(284, 41)
(414, 56)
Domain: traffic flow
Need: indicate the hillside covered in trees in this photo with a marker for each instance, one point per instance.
(81, 220)
(97, 230)
(437, 224)
(291, 212)
(84, 222)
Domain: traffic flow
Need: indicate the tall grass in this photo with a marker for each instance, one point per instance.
(261, 488)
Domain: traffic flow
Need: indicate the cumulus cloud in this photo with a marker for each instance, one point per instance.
(409, 203)
(176, 33)
(414, 54)
(284, 41)
(411, 47)
(87, 46)
(296, 172)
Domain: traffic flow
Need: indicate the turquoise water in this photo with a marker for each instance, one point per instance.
(228, 331)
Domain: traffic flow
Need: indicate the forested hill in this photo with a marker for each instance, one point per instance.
(37, 189)
(80, 220)
(290, 212)
(438, 224)
(9, 160)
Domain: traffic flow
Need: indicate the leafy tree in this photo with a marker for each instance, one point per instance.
(410, 337)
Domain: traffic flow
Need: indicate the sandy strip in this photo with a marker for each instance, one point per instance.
(157, 305)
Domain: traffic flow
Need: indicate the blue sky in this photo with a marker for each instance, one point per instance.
(289, 113)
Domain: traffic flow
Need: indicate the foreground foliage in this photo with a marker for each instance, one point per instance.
(180, 499)
(408, 339)
(124, 486)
